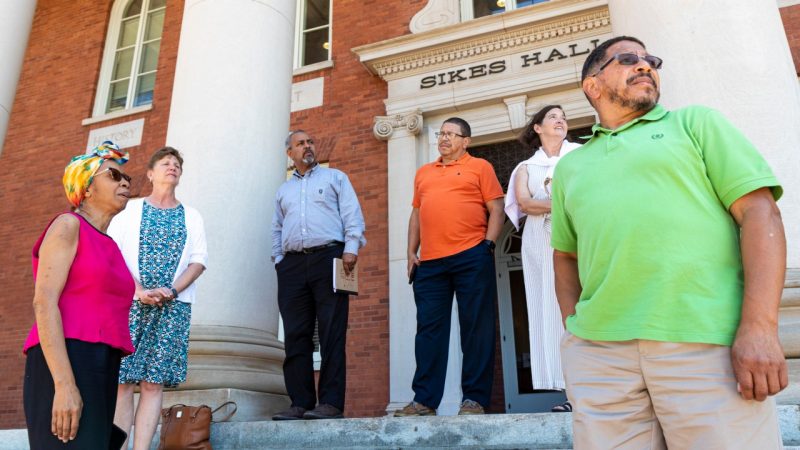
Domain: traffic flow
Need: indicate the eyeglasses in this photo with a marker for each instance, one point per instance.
(629, 59)
(447, 134)
(116, 175)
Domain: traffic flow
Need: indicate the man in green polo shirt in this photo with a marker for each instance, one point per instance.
(669, 260)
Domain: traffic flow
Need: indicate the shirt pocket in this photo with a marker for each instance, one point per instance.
(319, 194)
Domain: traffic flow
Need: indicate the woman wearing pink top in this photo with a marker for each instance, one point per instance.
(82, 295)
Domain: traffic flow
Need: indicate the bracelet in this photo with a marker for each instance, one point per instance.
(174, 293)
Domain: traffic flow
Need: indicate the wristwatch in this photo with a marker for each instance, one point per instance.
(174, 293)
(490, 243)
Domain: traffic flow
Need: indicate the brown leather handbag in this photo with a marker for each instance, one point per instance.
(188, 427)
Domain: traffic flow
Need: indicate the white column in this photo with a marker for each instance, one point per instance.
(229, 116)
(16, 18)
(406, 154)
(732, 56)
(400, 131)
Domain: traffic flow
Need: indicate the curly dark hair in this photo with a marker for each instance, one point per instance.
(529, 138)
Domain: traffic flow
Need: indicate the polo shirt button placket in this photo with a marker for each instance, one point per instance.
(612, 142)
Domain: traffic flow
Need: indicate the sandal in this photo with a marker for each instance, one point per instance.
(564, 407)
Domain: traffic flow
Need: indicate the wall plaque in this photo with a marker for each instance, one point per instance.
(128, 134)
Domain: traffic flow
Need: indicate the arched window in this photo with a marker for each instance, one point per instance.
(128, 72)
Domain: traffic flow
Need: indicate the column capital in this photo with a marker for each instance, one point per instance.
(386, 125)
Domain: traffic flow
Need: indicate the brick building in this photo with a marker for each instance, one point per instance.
(372, 81)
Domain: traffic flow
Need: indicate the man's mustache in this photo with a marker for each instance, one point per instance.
(633, 78)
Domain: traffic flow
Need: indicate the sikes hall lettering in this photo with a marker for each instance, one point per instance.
(500, 66)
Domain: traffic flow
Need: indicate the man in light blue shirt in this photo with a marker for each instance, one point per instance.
(317, 218)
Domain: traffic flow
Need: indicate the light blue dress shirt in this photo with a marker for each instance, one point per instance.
(315, 209)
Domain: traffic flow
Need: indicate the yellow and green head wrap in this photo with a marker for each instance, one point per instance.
(81, 169)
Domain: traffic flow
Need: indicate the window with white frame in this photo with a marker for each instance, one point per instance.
(128, 73)
(473, 9)
(313, 42)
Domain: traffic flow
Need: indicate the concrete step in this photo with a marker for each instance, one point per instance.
(495, 431)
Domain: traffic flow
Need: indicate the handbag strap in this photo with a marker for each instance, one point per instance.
(200, 408)
(230, 414)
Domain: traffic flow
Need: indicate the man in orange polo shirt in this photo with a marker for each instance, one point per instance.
(457, 217)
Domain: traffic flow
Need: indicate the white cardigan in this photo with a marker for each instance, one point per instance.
(124, 229)
(539, 158)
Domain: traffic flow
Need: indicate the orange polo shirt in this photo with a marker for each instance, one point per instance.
(452, 204)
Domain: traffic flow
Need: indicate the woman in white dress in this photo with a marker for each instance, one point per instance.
(529, 195)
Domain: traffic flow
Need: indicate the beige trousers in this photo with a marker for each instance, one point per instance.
(654, 395)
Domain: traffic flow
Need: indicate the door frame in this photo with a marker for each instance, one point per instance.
(515, 402)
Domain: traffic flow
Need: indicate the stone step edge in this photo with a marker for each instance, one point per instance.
(494, 431)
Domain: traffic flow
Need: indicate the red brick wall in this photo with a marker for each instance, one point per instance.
(791, 23)
(55, 93)
(343, 125)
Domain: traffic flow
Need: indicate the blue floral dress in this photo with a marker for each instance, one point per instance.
(160, 334)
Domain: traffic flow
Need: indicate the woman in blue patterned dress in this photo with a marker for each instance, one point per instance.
(163, 242)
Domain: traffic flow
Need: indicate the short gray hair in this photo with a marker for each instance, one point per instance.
(288, 141)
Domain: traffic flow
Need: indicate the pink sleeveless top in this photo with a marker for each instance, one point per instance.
(98, 293)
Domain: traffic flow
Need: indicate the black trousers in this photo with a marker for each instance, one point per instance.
(305, 296)
(96, 370)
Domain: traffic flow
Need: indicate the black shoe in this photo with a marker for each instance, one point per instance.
(324, 411)
(293, 413)
(564, 407)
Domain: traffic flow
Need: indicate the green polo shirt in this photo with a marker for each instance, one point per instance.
(645, 207)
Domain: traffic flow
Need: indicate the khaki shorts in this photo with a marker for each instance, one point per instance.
(653, 395)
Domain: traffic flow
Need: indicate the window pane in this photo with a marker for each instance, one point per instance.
(521, 3)
(149, 57)
(134, 8)
(127, 32)
(144, 91)
(317, 13)
(122, 64)
(488, 7)
(157, 4)
(315, 46)
(155, 22)
(118, 94)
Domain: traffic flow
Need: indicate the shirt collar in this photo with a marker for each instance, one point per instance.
(654, 114)
(308, 172)
(463, 160)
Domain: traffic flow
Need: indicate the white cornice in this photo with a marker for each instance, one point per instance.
(486, 37)
(786, 3)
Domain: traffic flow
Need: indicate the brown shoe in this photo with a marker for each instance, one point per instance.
(324, 411)
(470, 407)
(415, 409)
(293, 413)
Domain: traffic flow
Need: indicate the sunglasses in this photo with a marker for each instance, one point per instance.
(116, 175)
(629, 59)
